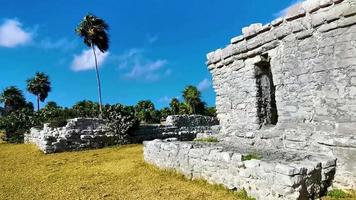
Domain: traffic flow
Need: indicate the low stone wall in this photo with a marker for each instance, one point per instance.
(191, 120)
(79, 133)
(151, 132)
(87, 133)
(278, 174)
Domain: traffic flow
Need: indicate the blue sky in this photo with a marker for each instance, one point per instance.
(157, 46)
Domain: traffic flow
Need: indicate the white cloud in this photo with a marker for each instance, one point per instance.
(12, 34)
(204, 84)
(135, 66)
(285, 11)
(85, 61)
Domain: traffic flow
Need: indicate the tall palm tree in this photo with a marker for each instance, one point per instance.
(174, 104)
(12, 98)
(39, 86)
(94, 32)
(191, 96)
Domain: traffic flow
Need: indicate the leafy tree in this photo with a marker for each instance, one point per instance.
(94, 32)
(192, 99)
(13, 99)
(145, 111)
(183, 109)
(211, 111)
(2, 111)
(174, 104)
(86, 109)
(165, 112)
(39, 86)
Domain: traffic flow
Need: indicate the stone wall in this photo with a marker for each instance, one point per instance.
(79, 133)
(87, 133)
(191, 120)
(277, 174)
(292, 83)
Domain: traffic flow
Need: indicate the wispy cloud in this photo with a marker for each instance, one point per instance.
(286, 10)
(134, 65)
(86, 61)
(204, 84)
(12, 34)
(152, 38)
(167, 99)
(60, 44)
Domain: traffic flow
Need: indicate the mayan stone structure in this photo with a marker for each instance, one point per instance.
(287, 88)
(91, 133)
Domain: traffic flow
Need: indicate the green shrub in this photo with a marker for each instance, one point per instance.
(17, 123)
(252, 156)
(122, 120)
(338, 194)
(208, 139)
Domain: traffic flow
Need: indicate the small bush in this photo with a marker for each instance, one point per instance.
(208, 139)
(252, 156)
(338, 194)
(122, 120)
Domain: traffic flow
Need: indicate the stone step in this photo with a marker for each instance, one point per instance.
(271, 174)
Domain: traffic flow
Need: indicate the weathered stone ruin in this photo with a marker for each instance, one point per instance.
(90, 133)
(286, 91)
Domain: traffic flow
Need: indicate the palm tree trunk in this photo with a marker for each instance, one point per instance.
(38, 103)
(98, 80)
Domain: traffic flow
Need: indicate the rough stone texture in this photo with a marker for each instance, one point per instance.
(288, 86)
(86, 133)
(312, 60)
(191, 120)
(279, 174)
(79, 133)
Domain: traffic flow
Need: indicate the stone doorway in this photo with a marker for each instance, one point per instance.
(266, 103)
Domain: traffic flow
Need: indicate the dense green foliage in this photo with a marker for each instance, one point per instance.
(13, 99)
(122, 119)
(39, 86)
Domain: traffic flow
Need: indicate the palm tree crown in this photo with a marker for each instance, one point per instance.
(191, 96)
(39, 86)
(94, 32)
(174, 104)
(13, 99)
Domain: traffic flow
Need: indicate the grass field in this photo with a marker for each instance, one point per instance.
(110, 173)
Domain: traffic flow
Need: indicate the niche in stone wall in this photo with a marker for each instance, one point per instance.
(266, 103)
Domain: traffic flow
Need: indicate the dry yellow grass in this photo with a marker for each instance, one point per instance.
(110, 173)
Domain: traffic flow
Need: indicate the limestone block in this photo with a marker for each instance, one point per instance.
(252, 30)
(325, 3)
(237, 39)
(311, 6)
(296, 11)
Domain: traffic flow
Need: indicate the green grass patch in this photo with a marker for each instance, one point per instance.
(109, 173)
(208, 139)
(251, 156)
(338, 194)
